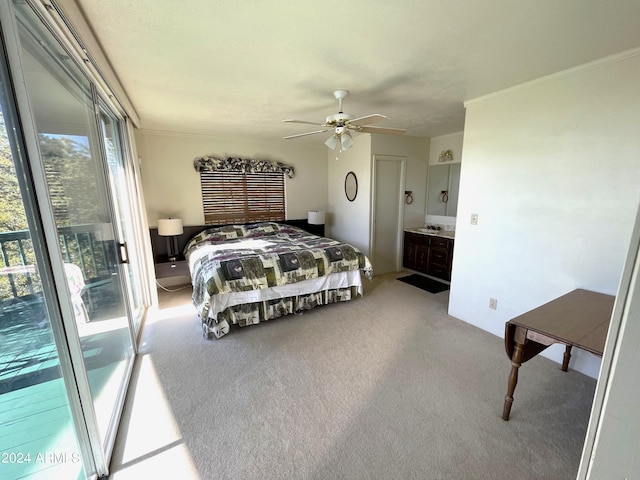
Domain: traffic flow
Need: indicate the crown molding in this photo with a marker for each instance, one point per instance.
(586, 67)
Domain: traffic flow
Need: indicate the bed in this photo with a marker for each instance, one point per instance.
(246, 274)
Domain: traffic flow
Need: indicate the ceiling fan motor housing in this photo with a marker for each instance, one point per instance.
(338, 119)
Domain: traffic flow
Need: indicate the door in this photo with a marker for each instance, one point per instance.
(122, 189)
(388, 212)
(37, 389)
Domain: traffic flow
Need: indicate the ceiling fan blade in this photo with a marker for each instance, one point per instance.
(305, 134)
(366, 120)
(382, 130)
(291, 120)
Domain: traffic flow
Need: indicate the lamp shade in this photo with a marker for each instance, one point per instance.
(315, 217)
(332, 142)
(168, 227)
(346, 142)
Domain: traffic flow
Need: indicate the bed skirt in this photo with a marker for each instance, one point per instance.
(256, 312)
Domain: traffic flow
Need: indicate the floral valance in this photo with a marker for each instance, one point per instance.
(242, 165)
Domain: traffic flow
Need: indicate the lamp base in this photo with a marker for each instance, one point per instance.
(172, 248)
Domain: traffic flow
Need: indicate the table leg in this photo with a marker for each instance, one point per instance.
(566, 358)
(516, 361)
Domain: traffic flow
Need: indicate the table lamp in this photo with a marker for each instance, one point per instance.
(315, 217)
(171, 228)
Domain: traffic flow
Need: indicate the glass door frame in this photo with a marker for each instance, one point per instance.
(109, 438)
(96, 457)
(136, 315)
(49, 257)
(147, 273)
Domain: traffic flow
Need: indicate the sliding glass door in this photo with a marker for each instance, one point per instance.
(72, 154)
(71, 261)
(122, 189)
(38, 437)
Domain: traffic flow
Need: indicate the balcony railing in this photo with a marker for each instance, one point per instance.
(81, 245)
(28, 350)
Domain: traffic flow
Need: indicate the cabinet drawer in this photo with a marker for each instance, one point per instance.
(439, 271)
(439, 242)
(172, 269)
(439, 257)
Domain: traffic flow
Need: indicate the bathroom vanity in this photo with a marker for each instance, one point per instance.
(428, 252)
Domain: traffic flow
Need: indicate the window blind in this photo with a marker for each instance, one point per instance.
(233, 197)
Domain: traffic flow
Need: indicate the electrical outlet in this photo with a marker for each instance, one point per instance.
(493, 303)
(474, 219)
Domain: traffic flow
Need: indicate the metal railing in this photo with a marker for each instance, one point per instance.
(81, 245)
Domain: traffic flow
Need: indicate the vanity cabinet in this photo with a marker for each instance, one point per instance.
(439, 260)
(428, 254)
(416, 252)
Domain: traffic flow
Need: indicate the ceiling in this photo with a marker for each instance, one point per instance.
(238, 68)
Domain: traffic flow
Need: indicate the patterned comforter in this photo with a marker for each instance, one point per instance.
(234, 265)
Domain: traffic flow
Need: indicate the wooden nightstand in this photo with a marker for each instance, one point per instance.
(165, 268)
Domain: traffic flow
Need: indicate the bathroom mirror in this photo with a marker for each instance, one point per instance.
(351, 186)
(442, 189)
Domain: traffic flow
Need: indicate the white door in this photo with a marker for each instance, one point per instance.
(387, 213)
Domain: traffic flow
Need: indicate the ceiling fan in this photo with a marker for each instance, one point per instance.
(342, 123)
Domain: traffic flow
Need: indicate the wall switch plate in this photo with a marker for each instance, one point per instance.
(474, 219)
(493, 303)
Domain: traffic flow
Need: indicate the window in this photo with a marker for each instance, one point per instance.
(234, 197)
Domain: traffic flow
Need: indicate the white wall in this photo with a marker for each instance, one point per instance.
(552, 169)
(452, 141)
(350, 221)
(172, 186)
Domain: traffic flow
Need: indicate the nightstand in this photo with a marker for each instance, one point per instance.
(165, 268)
(314, 229)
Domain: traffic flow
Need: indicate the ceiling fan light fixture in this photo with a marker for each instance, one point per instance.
(332, 142)
(342, 122)
(346, 142)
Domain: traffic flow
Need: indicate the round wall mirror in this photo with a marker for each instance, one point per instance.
(351, 186)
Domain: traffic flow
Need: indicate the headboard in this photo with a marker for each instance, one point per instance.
(159, 243)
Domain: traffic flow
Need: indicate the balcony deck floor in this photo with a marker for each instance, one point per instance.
(38, 439)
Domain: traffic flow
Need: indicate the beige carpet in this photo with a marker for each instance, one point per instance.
(385, 387)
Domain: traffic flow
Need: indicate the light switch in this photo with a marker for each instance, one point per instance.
(474, 219)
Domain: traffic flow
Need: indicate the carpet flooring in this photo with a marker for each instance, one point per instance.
(388, 386)
(424, 283)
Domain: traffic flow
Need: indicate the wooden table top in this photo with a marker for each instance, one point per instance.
(580, 318)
